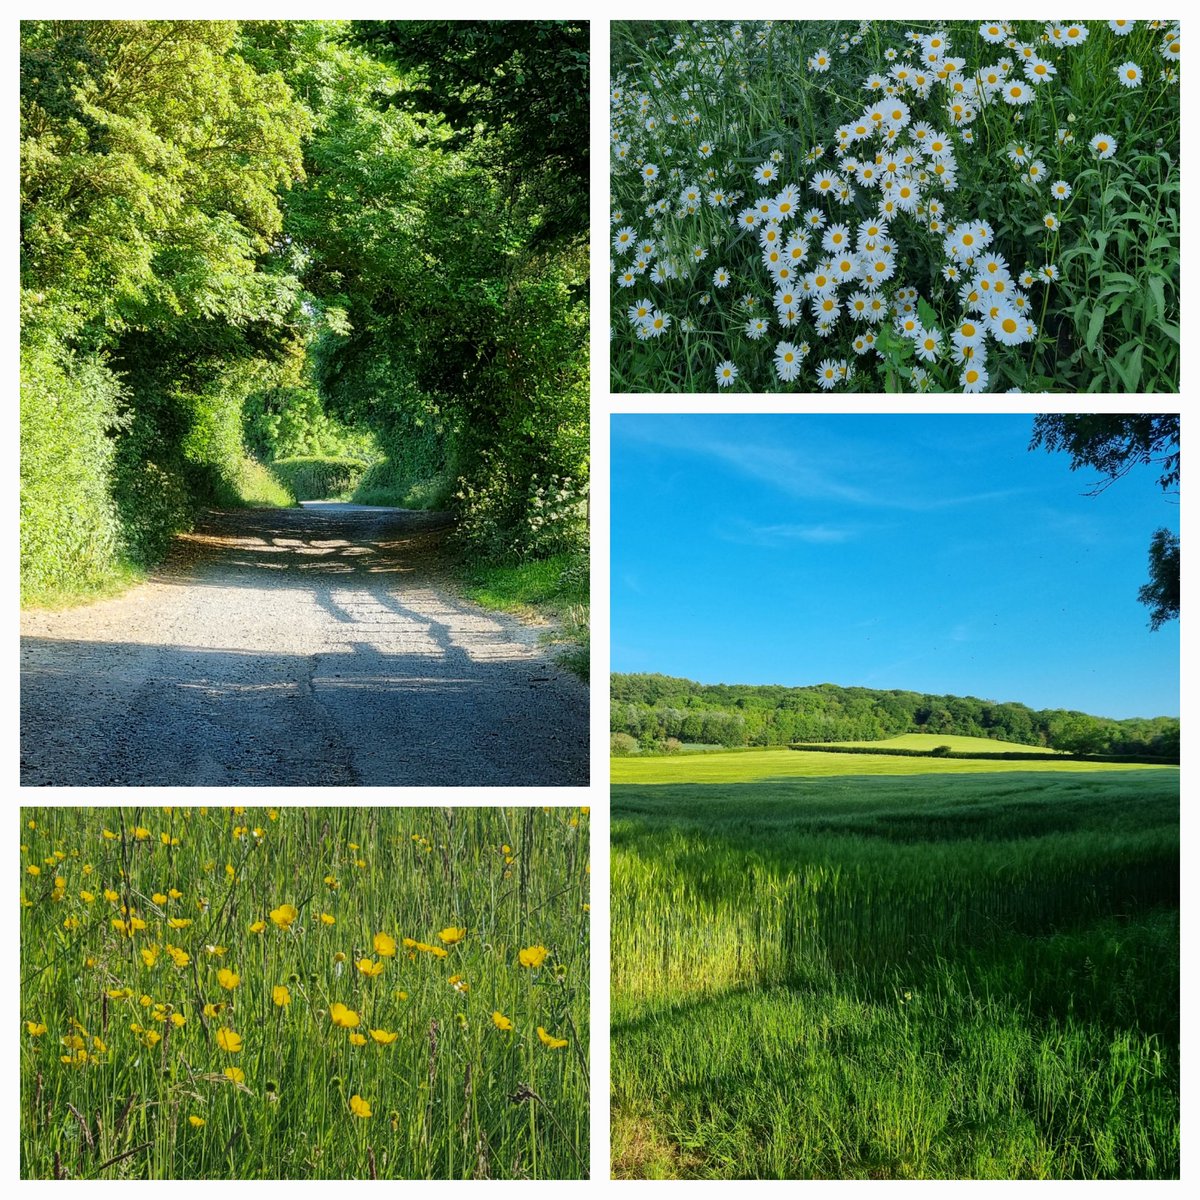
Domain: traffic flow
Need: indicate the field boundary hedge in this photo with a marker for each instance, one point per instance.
(1010, 755)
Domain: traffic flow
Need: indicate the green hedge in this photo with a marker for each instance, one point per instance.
(70, 528)
(1011, 755)
(319, 478)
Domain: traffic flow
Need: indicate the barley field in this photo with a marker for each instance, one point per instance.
(918, 975)
(213, 993)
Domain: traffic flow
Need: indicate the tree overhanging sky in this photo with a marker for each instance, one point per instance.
(927, 553)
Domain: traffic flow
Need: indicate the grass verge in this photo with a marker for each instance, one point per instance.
(119, 577)
(553, 590)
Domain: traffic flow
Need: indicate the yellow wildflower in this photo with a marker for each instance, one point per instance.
(228, 1040)
(532, 956)
(345, 1017)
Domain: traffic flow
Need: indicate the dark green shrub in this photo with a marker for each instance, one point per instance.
(315, 478)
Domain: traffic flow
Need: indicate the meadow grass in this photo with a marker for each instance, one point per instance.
(779, 762)
(304, 993)
(934, 975)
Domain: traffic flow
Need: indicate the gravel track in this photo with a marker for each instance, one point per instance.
(314, 646)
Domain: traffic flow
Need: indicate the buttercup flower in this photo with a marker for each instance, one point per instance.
(532, 956)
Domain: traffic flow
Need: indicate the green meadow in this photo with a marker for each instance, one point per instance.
(847, 966)
(778, 762)
(302, 993)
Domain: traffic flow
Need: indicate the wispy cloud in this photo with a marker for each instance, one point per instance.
(747, 534)
(824, 468)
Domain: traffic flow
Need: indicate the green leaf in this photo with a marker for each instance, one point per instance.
(925, 311)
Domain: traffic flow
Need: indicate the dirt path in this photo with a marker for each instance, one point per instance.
(311, 646)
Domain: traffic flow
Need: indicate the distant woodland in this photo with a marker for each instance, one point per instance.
(653, 709)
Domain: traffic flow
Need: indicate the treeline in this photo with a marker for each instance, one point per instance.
(244, 241)
(654, 708)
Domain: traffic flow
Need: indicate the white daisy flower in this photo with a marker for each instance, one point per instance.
(787, 361)
(1129, 75)
(974, 378)
(658, 323)
(828, 374)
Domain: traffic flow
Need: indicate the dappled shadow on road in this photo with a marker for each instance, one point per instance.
(297, 546)
(310, 646)
(107, 713)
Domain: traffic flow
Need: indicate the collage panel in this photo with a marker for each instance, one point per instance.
(838, 207)
(304, 993)
(305, 441)
(895, 803)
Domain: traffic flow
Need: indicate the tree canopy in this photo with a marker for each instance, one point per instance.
(1114, 444)
(283, 236)
(652, 708)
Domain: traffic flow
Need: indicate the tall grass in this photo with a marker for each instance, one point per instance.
(912, 977)
(413, 919)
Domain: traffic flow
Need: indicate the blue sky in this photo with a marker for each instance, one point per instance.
(932, 553)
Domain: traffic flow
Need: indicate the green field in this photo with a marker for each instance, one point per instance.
(304, 993)
(740, 766)
(930, 969)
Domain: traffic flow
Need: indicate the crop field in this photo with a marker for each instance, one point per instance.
(304, 993)
(928, 975)
(740, 766)
(895, 205)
